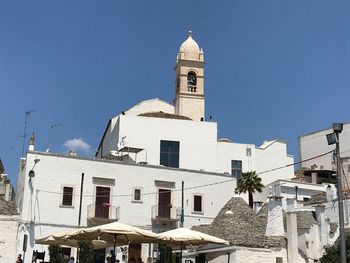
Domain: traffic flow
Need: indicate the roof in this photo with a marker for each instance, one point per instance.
(160, 114)
(7, 207)
(269, 143)
(321, 198)
(305, 219)
(190, 48)
(321, 130)
(242, 228)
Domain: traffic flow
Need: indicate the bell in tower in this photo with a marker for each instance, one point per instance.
(189, 69)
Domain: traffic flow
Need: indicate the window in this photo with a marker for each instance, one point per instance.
(137, 195)
(236, 168)
(67, 196)
(191, 79)
(169, 153)
(279, 260)
(249, 152)
(197, 203)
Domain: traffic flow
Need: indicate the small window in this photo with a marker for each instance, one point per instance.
(349, 169)
(137, 195)
(249, 152)
(197, 203)
(67, 196)
(279, 260)
(236, 168)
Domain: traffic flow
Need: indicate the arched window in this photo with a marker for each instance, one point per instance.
(191, 81)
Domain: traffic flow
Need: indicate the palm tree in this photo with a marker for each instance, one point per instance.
(249, 182)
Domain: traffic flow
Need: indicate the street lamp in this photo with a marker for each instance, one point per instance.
(333, 138)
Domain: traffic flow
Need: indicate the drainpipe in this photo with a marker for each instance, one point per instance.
(81, 197)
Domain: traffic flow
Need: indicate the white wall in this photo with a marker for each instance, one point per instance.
(199, 147)
(271, 156)
(261, 255)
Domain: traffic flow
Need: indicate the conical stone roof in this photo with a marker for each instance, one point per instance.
(242, 227)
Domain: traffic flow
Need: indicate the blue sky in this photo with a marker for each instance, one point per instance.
(274, 69)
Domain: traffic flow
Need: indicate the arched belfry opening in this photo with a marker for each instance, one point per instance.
(192, 82)
(189, 74)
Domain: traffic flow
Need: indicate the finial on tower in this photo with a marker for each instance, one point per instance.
(190, 33)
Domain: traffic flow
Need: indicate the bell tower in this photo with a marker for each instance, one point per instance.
(189, 84)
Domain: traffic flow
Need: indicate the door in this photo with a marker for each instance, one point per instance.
(164, 203)
(102, 202)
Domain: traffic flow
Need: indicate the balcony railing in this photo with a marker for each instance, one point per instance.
(104, 212)
(164, 212)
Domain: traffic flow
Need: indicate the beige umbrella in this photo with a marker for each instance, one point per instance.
(186, 236)
(114, 233)
(190, 237)
(60, 239)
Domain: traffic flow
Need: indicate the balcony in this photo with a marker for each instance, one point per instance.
(102, 214)
(165, 214)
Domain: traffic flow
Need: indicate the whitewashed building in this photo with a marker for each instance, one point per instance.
(144, 155)
(315, 143)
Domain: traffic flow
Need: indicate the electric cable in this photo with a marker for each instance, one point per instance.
(198, 186)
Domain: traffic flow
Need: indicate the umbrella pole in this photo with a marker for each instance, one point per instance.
(115, 242)
(181, 252)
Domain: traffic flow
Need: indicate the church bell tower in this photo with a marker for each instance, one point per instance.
(189, 85)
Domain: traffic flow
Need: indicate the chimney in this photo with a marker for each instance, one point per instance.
(323, 224)
(274, 225)
(31, 142)
(292, 231)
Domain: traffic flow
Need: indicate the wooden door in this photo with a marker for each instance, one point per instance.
(102, 202)
(164, 203)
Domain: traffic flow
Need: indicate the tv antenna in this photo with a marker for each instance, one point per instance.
(27, 113)
(52, 127)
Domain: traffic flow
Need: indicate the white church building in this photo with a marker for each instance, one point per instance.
(136, 176)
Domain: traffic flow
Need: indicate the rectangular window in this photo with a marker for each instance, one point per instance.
(169, 153)
(197, 203)
(67, 197)
(137, 195)
(248, 152)
(279, 260)
(236, 168)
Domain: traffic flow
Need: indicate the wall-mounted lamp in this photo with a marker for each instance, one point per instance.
(31, 173)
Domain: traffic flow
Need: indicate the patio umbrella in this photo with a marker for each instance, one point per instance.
(114, 233)
(60, 239)
(186, 236)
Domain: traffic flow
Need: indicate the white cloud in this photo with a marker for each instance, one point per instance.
(77, 145)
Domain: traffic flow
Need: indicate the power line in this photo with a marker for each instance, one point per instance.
(198, 186)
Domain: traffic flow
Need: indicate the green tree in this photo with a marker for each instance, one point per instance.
(332, 254)
(56, 254)
(249, 182)
(166, 254)
(86, 251)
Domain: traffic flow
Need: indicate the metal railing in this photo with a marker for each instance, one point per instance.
(164, 212)
(104, 211)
